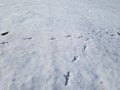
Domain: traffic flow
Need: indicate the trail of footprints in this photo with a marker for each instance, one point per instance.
(75, 58)
(67, 36)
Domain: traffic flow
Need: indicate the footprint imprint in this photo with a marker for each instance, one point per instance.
(13, 79)
(112, 35)
(101, 82)
(67, 78)
(4, 43)
(5, 33)
(74, 58)
(52, 38)
(107, 33)
(27, 38)
(80, 37)
(84, 47)
(118, 33)
(86, 39)
(68, 36)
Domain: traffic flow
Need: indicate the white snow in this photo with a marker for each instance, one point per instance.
(59, 44)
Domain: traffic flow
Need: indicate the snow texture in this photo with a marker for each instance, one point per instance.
(59, 44)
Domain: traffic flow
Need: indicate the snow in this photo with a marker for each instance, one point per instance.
(59, 44)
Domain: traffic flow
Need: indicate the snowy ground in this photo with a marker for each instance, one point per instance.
(59, 44)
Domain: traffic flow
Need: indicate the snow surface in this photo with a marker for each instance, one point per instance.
(59, 44)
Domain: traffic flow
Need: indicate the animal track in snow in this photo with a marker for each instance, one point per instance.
(67, 78)
(98, 32)
(86, 39)
(13, 80)
(67, 36)
(107, 32)
(5, 33)
(118, 33)
(84, 47)
(112, 35)
(27, 38)
(80, 37)
(88, 33)
(4, 43)
(52, 38)
(75, 58)
(101, 82)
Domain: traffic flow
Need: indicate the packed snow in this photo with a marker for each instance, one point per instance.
(59, 44)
